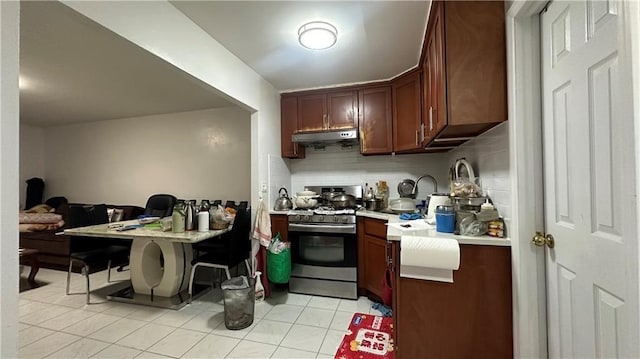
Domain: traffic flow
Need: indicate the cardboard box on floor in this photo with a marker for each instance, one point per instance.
(368, 337)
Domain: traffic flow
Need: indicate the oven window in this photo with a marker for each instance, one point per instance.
(324, 250)
(321, 249)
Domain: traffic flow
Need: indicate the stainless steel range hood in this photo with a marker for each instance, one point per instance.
(345, 137)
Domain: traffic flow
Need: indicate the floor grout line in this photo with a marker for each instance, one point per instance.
(121, 312)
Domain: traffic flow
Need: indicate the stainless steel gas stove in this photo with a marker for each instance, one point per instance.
(324, 247)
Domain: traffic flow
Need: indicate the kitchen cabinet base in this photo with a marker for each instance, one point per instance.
(469, 318)
(328, 288)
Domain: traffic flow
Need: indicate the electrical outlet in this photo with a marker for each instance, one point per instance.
(263, 187)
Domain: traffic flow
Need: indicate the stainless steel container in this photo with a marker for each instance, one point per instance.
(373, 204)
(190, 215)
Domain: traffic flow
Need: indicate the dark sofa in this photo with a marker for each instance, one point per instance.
(54, 249)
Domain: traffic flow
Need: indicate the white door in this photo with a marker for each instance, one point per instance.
(590, 194)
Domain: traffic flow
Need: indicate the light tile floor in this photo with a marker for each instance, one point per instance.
(287, 325)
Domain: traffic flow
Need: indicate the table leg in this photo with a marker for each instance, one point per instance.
(152, 276)
(35, 267)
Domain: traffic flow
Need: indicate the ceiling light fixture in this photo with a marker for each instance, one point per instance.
(317, 35)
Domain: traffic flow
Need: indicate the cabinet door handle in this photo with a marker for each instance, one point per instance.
(417, 135)
(430, 118)
(386, 253)
(422, 132)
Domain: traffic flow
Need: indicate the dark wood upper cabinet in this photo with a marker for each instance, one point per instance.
(457, 92)
(407, 119)
(342, 110)
(312, 112)
(327, 111)
(288, 126)
(464, 74)
(375, 121)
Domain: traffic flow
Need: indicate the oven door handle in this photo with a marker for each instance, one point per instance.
(319, 228)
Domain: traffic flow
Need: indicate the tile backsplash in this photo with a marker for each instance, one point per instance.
(336, 165)
(488, 154)
(279, 176)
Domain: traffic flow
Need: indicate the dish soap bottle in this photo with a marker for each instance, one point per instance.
(259, 288)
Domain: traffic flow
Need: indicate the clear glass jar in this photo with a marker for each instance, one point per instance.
(178, 217)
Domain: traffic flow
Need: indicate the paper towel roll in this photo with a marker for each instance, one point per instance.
(430, 252)
(429, 258)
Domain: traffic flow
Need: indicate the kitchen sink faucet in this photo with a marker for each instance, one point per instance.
(414, 191)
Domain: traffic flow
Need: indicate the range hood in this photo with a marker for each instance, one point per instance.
(346, 137)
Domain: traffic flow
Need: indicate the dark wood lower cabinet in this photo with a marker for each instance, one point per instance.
(372, 241)
(280, 224)
(470, 318)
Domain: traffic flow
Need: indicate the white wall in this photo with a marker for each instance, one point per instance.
(192, 155)
(488, 154)
(9, 143)
(267, 137)
(336, 165)
(279, 176)
(32, 151)
(161, 29)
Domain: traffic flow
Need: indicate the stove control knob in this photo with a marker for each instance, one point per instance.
(306, 218)
(296, 218)
(344, 219)
(320, 218)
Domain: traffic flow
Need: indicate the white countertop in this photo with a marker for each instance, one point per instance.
(378, 215)
(419, 227)
(102, 230)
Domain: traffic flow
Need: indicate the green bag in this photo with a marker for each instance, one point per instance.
(278, 264)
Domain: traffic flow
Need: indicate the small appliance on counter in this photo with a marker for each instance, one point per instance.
(435, 200)
(283, 203)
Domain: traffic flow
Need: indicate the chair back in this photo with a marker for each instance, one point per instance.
(239, 236)
(237, 205)
(160, 205)
(82, 216)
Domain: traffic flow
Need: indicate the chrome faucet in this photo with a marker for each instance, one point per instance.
(414, 191)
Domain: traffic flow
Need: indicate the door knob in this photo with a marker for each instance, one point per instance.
(550, 241)
(540, 240)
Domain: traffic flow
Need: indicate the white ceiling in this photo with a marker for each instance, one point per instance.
(74, 70)
(377, 40)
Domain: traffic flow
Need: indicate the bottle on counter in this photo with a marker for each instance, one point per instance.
(178, 217)
(383, 192)
(205, 205)
(190, 215)
(203, 221)
(203, 216)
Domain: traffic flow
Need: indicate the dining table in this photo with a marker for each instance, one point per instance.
(159, 262)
